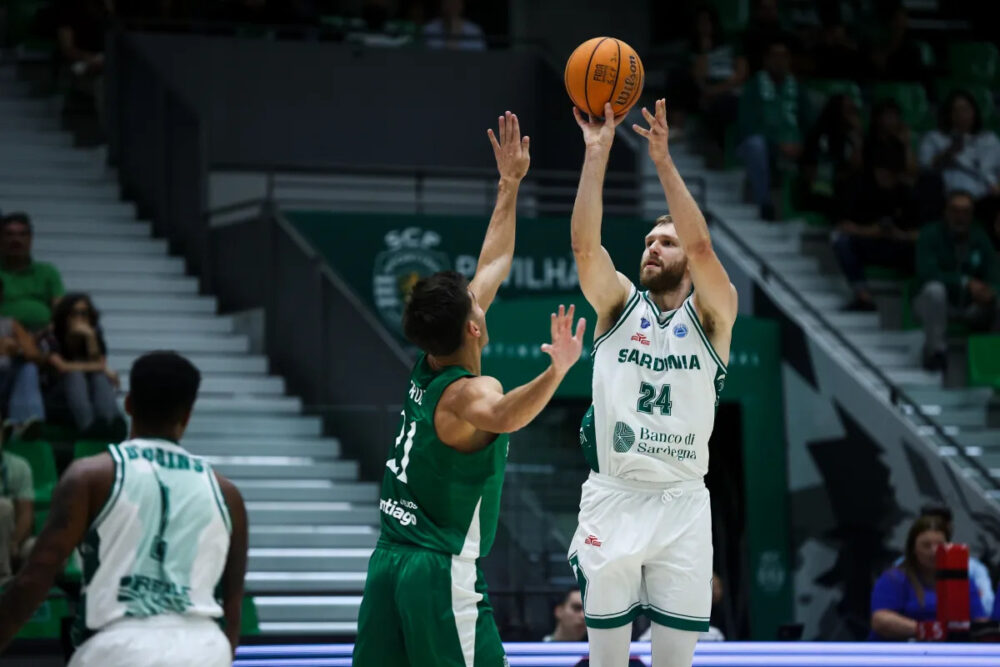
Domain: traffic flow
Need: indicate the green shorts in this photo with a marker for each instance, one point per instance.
(424, 608)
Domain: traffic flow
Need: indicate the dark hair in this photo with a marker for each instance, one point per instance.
(891, 155)
(162, 388)
(943, 512)
(18, 217)
(565, 598)
(713, 16)
(909, 566)
(63, 310)
(436, 312)
(944, 113)
(953, 194)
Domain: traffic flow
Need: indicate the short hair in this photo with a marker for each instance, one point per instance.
(665, 219)
(943, 512)
(436, 312)
(18, 217)
(565, 596)
(162, 388)
(956, 193)
(944, 113)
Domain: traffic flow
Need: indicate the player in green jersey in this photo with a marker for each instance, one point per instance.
(425, 599)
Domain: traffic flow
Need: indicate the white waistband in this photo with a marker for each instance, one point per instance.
(636, 486)
(147, 623)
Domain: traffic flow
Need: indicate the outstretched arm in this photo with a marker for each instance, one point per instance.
(715, 295)
(481, 402)
(602, 285)
(513, 158)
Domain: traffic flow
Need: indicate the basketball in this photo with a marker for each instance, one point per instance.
(604, 69)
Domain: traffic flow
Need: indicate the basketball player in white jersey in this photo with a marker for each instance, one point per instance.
(644, 541)
(160, 534)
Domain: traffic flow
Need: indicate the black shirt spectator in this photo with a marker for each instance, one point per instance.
(897, 54)
(832, 155)
(836, 55)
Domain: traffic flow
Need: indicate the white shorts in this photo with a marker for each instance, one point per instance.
(156, 641)
(644, 548)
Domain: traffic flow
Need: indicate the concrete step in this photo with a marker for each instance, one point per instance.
(309, 490)
(106, 191)
(988, 439)
(206, 363)
(45, 208)
(324, 609)
(259, 426)
(207, 324)
(183, 343)
(304, 535)
(272, 512)
(118, 302)
(276, 467)
(14, 123)
(323, 448)
(27, 106)
(121, 266)
(108, 246)
(302, 628)
(851, 322)
(964, 418)
(304, 582)
(270, 559)
(45, 227)
(951, 398)
(881, 339)
(117, 283)
(235, 384)
(34, 137)
(914, 378)
(256, 405)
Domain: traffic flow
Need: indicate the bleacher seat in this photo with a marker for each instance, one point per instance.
(973, 61)
(912, 101)
(984, 361)
(84, 448)
(38, 454)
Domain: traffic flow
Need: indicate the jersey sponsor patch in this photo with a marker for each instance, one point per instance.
(592, 541)
(624, 437)
(394, 510)
(641, 339)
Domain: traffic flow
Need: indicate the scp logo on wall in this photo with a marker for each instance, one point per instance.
(410, 255)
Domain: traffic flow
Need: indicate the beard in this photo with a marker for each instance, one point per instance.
(667, 279)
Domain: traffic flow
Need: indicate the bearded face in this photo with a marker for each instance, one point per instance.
(663, 265)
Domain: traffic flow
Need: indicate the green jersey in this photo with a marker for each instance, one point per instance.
(434, 496)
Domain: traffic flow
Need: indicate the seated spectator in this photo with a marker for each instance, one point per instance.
(377, 28)
(769, 119)
(958, 276)
(82, 384)
(452, 31)
(906, 595)
(978, 572)
(896, 54)
(570, 625)
(20, 392)
(880, 228)
(31, 289)
(832, 156)
(718, 71)
(17, 510)
(765, 26)
(836, 55)
(80, 29)
(964, 155)
(886, 132)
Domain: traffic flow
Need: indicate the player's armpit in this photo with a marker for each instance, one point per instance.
(67, 523)
(236, 561)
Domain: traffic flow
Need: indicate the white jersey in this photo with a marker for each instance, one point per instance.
(656, 387)
(159, 544)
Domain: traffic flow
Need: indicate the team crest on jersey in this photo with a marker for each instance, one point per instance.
(408, 257)
(644, 323)
(681, 330)
(624, 437)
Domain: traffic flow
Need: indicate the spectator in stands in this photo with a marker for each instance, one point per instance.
(452, 31)
(17, 510)
(763, 28)
(570, 626)
(80, 29)
(978, 572)
(83, 385)
(832, 156)
(881, 226)
(897, 55)
(770, 123)
(888, 132)
(718, 71)
(31, 289)
(906, 595)
(958, 276)
(836, 55)
(961, 152)
(20, 392)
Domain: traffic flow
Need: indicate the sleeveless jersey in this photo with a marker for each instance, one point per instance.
(159, 544)
(434, 496)
(656, 386)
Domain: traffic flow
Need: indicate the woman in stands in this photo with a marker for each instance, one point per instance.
(904, 596)
(82, 387)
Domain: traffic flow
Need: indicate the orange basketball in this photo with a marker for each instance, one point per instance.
(604, 69)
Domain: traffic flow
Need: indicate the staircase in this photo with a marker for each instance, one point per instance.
(801, 254)
(312, 523)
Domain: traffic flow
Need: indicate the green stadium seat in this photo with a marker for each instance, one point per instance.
(249, 622)
(984, 361)
(38, 454)
(973, 61)
(47, 621)
(58, 433)
(912, 101)
(84, 448)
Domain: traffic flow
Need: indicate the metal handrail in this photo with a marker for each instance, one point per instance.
(897, 394)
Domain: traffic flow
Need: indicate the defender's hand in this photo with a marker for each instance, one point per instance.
(566, 346)
(657, 133)
(598, 133)
(511, 150)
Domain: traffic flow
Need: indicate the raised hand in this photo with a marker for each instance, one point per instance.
(566, 346)
(511, 150)
(657, 133)
(598, 133)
